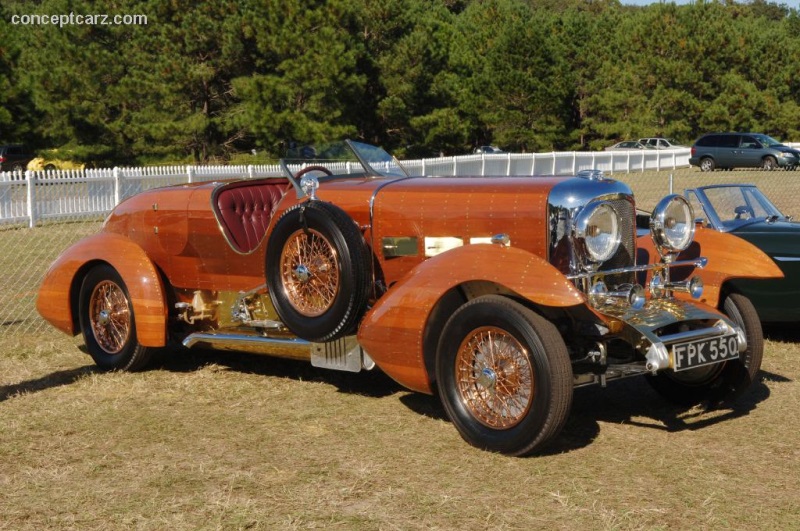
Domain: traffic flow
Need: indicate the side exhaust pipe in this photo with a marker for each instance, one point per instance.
(297, 349)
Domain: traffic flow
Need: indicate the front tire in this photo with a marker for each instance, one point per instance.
(108, 323)
(504, 376)
(769, 163)
(723, 383)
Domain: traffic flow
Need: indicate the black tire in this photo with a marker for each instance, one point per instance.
(50, 167)
(517, 402)
(318, 271)
(707, 164)
(720, 384)
(108, 323)
(769, 163)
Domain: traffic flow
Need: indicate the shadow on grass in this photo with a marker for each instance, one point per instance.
(50, 381)
(631, 401)
(635, 403)
(368, 383)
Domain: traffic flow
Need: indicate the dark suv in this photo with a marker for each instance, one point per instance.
(14, 157)
(742, 150)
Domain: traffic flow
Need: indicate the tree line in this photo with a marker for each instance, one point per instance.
(208, 80)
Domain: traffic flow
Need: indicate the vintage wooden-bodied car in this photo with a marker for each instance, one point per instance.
(502, 294)
(743, 210)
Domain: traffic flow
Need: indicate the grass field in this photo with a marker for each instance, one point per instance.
(214, 440)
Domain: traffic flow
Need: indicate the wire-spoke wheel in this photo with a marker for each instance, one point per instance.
(309, 272)
(318, 271)
(495, 377)
(109, 316)
(504, 376)
(108, 323)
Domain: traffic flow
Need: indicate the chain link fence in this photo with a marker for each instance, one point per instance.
(26, 253)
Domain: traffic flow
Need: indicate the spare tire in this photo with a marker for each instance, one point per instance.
(318, 271)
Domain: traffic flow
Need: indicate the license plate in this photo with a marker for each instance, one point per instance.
(704, 352)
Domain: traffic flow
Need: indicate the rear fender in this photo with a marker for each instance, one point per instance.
(59, 291)
(729, 257)
(393, 331)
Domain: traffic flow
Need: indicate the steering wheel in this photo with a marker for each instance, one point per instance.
(741, 210)
(308, 169)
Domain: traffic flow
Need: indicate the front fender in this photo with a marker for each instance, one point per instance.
(728, 256)
(392, 331)
(61, 285)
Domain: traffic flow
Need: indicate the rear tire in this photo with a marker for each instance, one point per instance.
(707, 164)
(723, 383)
(504, 376)
(107, 322)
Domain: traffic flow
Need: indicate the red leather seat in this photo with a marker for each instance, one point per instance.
(245, 208)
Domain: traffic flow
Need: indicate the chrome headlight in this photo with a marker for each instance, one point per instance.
(672, 225)
(597, 232)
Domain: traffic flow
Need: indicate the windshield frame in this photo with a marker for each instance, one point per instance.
(368, 162)
(753, 198)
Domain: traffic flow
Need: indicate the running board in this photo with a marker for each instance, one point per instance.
(343, 354)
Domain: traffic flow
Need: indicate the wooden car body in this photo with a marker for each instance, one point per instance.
(197, 266)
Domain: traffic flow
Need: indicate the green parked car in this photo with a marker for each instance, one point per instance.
(743, 210)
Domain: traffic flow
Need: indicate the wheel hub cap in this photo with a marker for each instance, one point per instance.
(487, 379)
(302, 273)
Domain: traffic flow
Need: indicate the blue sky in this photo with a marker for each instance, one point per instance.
(791, 3)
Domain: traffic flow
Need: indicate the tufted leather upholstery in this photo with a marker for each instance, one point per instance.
(245, 208)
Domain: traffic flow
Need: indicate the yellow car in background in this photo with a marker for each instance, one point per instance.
(54, 160)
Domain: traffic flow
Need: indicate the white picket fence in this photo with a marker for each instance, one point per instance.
(29, 197)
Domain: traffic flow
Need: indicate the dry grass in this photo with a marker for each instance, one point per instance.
(213, 440)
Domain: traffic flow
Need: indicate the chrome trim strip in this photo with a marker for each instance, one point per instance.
(786, 258)
(700, 262)
(720, 329)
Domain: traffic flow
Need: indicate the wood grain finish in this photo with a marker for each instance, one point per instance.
(728, 256)
(137, 271)
(392, 332)
(464, 207)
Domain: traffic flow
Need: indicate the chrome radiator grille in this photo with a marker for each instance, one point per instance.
(626, 255)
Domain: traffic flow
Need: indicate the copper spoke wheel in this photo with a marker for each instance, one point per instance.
(503, 375)
(108, 323)
(309, 272)
(319, 271)
(109, 317)
(495, 377)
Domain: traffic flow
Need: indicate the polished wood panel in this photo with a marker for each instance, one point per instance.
(392, 332)
(464, 207)
(728, 256)
(137, 271)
